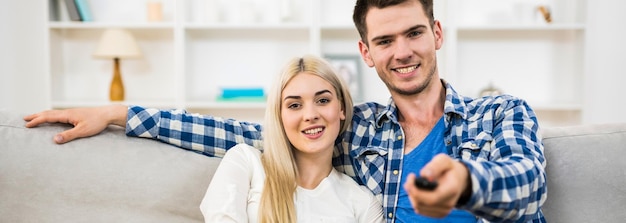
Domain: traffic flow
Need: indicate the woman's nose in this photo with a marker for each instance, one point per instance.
(311, 114)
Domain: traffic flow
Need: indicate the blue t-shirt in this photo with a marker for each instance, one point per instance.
(413, 163)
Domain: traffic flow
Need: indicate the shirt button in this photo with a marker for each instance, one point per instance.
(390, 215)
(395, 172)
(399, 137)
(474, 145)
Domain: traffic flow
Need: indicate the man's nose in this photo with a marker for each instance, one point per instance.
(403, 50)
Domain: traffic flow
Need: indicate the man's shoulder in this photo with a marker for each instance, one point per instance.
(369, 110)
(503, 102)
(492, 108)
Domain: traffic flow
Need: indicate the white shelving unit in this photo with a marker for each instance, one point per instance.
(502, 42)
(203, 45)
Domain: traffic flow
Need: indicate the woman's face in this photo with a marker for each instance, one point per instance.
(311, 114)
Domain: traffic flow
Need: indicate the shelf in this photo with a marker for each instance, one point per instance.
(104, 25)
(189, 56)
(542, 27)
(95, 103)
(226, 105)
(556, 107)
(162, 104)
(218, 26)
(340, 27)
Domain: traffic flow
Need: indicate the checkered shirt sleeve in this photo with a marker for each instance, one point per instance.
(208, 135)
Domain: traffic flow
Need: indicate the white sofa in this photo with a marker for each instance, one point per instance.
(114, 178)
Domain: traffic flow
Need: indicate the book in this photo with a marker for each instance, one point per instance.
(53, 11)
(83, 10)
(72, 11)
(242, 92)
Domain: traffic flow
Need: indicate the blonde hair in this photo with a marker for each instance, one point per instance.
(277, 198)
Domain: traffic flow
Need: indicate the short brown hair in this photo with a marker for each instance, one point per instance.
(362, 7)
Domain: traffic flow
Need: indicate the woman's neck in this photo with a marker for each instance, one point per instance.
(312, 170)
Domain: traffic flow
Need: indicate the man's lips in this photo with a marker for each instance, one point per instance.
(404, 70)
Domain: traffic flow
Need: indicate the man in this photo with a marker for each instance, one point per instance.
(492, 166)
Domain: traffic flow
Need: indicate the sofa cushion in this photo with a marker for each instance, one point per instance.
(108, 178)
(586, 173)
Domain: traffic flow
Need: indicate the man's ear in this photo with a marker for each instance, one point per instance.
(438, 32)
(365, 53)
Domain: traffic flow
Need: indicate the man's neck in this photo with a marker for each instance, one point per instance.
(423, 108)
(418, 114)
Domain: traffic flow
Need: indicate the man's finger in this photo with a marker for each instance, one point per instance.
(436, 167)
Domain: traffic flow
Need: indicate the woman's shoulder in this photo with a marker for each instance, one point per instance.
(243, 151)
(350, 186)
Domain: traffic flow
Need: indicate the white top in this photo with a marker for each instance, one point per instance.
(235, 192)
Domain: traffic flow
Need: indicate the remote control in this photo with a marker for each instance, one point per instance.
(424, 184)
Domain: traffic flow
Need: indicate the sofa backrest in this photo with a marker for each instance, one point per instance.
(114, 178)
(107, 178)
(586, 168)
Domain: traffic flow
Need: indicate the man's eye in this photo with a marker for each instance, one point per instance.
(384, 42)
(414, 33)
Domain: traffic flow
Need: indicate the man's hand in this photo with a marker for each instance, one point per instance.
(86, 121)
(453, 181)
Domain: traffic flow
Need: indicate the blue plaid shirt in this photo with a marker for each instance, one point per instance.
(502, 130)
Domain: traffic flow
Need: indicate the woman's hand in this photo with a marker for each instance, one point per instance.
(86, 121)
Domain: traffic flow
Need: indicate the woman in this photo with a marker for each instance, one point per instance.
(293, 180)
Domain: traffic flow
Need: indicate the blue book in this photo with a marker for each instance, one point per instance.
(83, 10)
(242, 92)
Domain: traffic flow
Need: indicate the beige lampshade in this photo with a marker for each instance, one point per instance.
(117, 43)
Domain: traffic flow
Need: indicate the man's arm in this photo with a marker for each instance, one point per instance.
(86, 121)
(207, 135)
(502, 181)
(511, 185)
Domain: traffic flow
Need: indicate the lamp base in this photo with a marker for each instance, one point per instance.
(116, 92)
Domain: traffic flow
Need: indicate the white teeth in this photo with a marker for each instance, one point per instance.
(313, 131)
(406, 69)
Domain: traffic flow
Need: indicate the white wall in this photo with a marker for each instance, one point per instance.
(21, 57)
(605, 99)
(22, 61)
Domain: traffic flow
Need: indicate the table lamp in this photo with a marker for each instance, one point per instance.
(117, 44)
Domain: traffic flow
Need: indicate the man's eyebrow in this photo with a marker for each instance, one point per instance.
(416, 27)
(412, 28)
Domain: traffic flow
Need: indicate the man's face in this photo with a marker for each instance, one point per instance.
(402, 47)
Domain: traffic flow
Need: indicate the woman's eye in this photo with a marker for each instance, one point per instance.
(324, 101)
(293, 106)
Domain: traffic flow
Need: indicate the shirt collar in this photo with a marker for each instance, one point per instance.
(454, 105)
